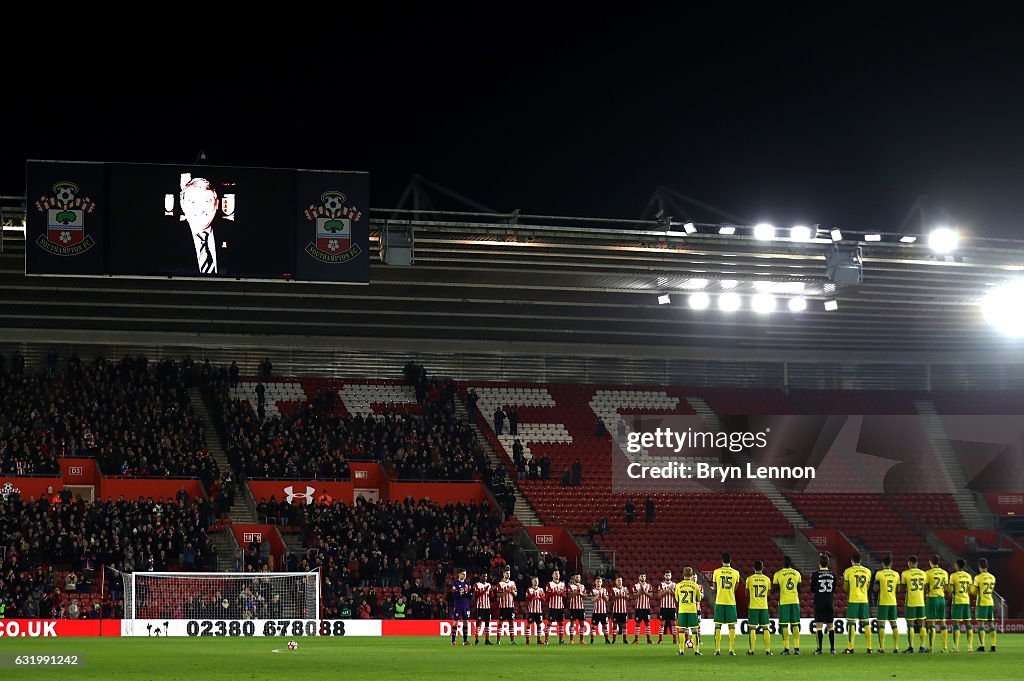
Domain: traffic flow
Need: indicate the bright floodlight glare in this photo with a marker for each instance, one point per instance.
(664, 299)
(728, 284)
(699, 301)
(727, 230)
(908, 239)
(797, 304)
(729, 302)
(764, 286)
(689, 228)
(1001, 308)
(872, 237)
(764, 231)
(695, 284)
(943, 240)
(763, 303)
(836, 235)
(800, 233)
(831, 305)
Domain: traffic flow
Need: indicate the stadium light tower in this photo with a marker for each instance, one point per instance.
(729, 302)
(943, 240)
(699, 301)
(1001, 308)
(800, 233)
(764, 232)
(763, 303)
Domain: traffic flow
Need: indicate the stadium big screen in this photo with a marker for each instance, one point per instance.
(197, 221)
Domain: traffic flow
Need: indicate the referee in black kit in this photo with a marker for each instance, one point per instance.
(823, 586)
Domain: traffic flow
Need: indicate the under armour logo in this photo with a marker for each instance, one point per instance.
(293, 495)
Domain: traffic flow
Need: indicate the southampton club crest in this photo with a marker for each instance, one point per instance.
(65, 221)
(334, 220)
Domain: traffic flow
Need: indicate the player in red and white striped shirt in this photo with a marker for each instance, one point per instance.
(667, 614)
(482, 596)
(599, 618)
(556, 606)
(642, 590)
(534, 609)
(620, 612)
(577, 590)
(505, 592)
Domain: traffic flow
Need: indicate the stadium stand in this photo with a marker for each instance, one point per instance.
(315, 426)
(135, 421)
(56, 551)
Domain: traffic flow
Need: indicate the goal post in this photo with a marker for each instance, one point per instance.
(221, 603)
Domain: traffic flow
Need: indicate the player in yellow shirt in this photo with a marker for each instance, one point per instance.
(935, 607)
(787, 581)
(758, 585)
(724, 584)
(984, 606)
(688, 595)
(887, 582)
(914, 581)
(961, 584)
(856, 581)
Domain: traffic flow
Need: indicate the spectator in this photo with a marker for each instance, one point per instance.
(534, 468)
(577, 473)
(545, 467)
(266, 369)
(471, 399)
(182, 496)
(630, 510)
(71, 583)
(233, 375)
(599, 429)
(74, 610)
(649, 510)
(364, 610)
(499, 421)
(513, 422)
(622, 429)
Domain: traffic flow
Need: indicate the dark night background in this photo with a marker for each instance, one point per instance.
(805, 113)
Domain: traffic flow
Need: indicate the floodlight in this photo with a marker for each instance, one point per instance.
(729, 302)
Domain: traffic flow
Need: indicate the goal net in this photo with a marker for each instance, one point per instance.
(153, 600)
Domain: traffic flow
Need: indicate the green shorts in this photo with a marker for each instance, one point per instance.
(960, 612)
(789, 613)
(725, 614)
(914, 612)
(887, 613)
(857, 611)
(757, 617)
(935, 608)
(984, 613)
(687, 620)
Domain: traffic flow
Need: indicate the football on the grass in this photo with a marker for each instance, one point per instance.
(292, 645)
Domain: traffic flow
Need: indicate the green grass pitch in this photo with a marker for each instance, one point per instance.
(429, 659)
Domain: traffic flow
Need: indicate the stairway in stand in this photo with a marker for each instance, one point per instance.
(524, 511)
(240, 512)
(950, 466)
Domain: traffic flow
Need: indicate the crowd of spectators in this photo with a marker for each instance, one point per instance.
(314, 441)
(55, 548)
(134, 420)
(387, 544)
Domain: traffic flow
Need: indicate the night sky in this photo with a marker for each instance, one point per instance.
(811, 114)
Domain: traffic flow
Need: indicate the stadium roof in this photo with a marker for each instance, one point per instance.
(571, 285)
